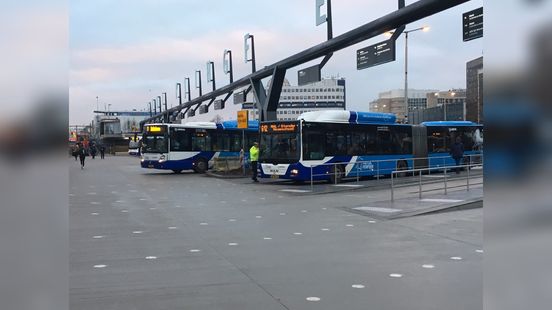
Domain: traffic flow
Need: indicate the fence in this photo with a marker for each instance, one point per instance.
(378, 168)
(445, 169)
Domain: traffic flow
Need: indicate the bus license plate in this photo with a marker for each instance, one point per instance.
(274, 176)
(150, 166)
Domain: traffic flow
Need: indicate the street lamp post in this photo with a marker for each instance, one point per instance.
(159, 101)
(167, 116)
(249, 37)
(149, 103)
(406, 32)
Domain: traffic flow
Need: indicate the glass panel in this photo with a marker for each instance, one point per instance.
(154, 144)
(280, 146)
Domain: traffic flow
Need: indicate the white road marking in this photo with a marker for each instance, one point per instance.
(291, 190)
(203, 223)
(395, 275)
(71, 195)
(303, 211)
(137, 232)
(98, 237)
(324, 208)
(195, 250)
(95, 213)
(347, 185)
(124, 211)
(456, 258)
(325, 229)
(151, 257)
(267, 238)
(371, 222)
(313, 298)
(350, 225)
(283, 213)
(232, 243)
(479, 251)
(259, 217)
(143, 199)
(173, 227)
(378, 209)
(94, 203)
(297, 233)
(100, 266)
(428, 266)
(153, 208)
(357, 286)
(231, 220)
(441, 200)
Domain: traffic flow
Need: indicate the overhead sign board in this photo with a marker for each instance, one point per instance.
(191, 113)
(239, 97)
(243, 118)
(203, 109)
(308, 75)
(219, 104)
(472, 24)
(376, 54)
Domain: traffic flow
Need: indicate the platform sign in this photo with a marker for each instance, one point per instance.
(203, 109)
(308, 75)
(239, 97)
(376, 54)
(472, 24)
(243, 118)
(219, 104)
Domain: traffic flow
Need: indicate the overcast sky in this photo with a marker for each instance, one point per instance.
(127, 52)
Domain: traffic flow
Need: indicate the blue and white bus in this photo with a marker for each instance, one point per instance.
(194, 145)
(340, 144)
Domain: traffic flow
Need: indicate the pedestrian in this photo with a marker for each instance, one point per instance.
(102, 151)
(75, 152)
(93, 151)
(82, 155)
(254, 156)
(457, 153)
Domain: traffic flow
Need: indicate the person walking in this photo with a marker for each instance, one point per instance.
(254, 156)
(93, 150)
(75, 152)
(82, 155)
(457, 153)
(102, 151)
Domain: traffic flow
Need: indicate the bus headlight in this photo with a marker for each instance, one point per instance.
(142, 158)
(294, 172)
(162, 158)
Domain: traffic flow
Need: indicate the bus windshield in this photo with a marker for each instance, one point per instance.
(280, 142)
(155, 139)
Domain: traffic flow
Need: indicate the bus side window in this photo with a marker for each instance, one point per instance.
(331, 143)
(314, 146)
(198, 141)
(384, 142)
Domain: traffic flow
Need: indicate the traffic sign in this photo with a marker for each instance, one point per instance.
(472, 24)
(308, 75)
(376, 54)
(242, 119)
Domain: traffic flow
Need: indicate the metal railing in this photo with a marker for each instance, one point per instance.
(445, 170)
(378, 168)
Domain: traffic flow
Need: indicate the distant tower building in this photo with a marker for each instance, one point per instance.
(328, 94)
(474, 90)
(392, 101)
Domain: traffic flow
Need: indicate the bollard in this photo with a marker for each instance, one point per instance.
(392, 188)
(468, 178)
(358, 176)
(445, 178)
(311, 177)
(335, 173)
(420, 185)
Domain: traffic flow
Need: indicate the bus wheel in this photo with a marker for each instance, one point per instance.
(176, 171)
(200, 165)
(336, 174)
(402, 165)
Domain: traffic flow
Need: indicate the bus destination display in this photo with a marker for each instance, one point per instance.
(279, 127)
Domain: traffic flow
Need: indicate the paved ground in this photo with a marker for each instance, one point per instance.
(142, 239)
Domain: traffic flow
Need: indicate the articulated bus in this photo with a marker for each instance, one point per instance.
(194, 145)
(363, 143)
